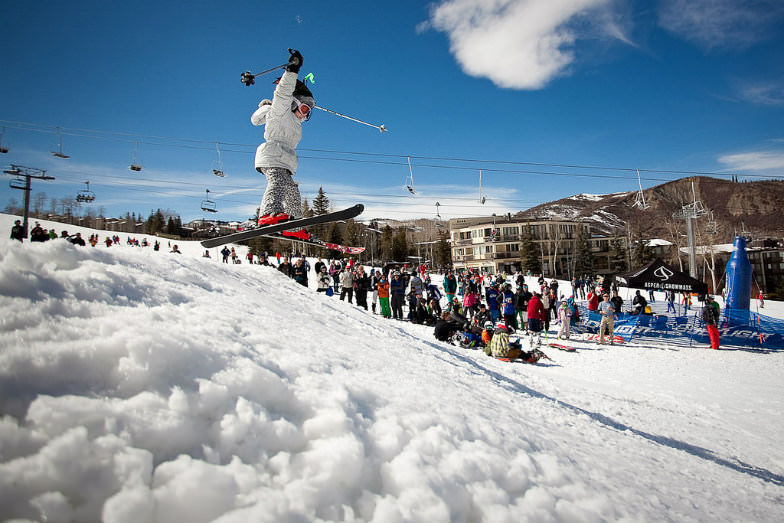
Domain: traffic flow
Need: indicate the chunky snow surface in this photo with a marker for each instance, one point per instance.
(140, 386)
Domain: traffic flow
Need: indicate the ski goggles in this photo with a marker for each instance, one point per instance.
(303, 108)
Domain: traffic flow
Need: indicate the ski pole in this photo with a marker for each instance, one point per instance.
(249, 78)
(381, 127)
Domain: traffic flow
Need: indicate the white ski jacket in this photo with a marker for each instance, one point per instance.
(282, 131)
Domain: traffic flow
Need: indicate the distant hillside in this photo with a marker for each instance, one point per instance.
(754, 205)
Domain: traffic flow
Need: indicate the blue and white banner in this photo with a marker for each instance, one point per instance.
(738, 328)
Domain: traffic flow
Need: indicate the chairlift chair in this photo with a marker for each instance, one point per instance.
(86, 196)
(219, 170)
(208, 205)
(18, 183)
(712, 227)
(59, 153)
(3, 150)
(135, 166)
(408, 183)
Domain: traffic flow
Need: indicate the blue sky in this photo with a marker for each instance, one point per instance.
(548, 98)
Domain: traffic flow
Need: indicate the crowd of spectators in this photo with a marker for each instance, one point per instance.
(467, 307)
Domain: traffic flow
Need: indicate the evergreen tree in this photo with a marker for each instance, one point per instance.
(320, 206)
(531, 260)
(443, 252)
(155, 223)
(642, 254)
(583, 263)
(386, 243)
(400, 246)
(335, 235)
(618, 261)
(320, 203)
(352, 232)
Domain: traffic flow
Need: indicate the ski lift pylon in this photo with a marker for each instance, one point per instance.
(86, 196)
(208, 205)
(59, 153)
(639, 199)
(219, 170)
(135, 166)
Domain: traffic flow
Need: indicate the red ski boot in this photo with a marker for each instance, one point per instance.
(272, 219)
(301, 234)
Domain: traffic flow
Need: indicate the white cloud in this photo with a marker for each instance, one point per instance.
(771, 160)
(764, 93)
(713, 24)
(519, 44)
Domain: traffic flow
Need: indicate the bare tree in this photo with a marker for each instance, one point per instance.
(707, 237)
(678, 240)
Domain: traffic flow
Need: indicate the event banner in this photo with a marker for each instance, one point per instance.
(737, 328)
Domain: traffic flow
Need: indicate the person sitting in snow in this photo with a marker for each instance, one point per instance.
(500, 347)
(17, 231)
(639, 303)
(487, 333)
(445, 329)
(324, 279)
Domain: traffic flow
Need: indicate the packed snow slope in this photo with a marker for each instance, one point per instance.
(141, 386)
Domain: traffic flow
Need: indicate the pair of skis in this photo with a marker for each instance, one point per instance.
(276, 230)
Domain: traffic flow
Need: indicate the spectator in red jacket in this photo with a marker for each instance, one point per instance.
(593, 300)
(536, 314)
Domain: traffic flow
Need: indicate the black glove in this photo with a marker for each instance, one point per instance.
(295, 61)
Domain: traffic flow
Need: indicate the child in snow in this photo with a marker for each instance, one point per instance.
(276, 158)
(564, 314)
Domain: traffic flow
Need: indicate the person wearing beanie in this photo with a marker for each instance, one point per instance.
(711, 316)
(500, 347)
(276, 157)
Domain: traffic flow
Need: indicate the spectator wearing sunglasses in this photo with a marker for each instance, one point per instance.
(607, 310)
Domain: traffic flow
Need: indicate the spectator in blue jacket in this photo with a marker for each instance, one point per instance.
(508, 307)
(492, 295)
(397, 290)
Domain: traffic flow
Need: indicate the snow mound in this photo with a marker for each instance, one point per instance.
(153, 387)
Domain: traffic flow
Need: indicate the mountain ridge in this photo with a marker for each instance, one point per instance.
(730, 207)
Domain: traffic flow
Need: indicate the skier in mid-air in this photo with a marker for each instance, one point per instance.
(276, 158)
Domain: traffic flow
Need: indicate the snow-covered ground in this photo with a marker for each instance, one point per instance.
(141, 386)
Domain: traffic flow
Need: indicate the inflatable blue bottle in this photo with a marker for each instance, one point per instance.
(737, 294)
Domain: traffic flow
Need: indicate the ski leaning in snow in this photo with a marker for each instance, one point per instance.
(562, 347)
(345, 249)
(595, 337)
(299, 223)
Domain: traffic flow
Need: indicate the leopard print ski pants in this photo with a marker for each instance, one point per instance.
(282, 193)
